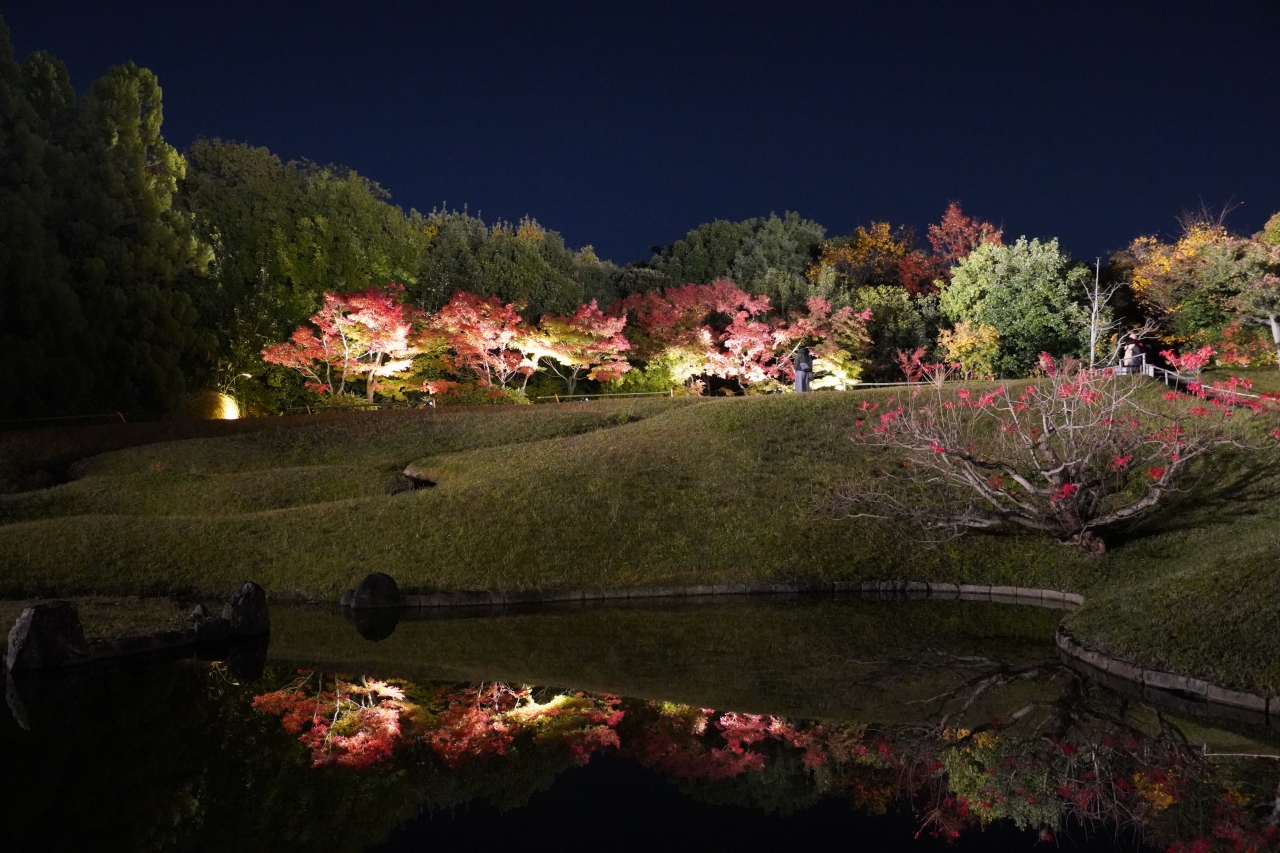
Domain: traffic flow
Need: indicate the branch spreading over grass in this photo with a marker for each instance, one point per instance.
(1071, 454)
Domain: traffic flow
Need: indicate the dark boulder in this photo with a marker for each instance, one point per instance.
(377, 590)
(247, 611)
(374, 623)
(47, 634)
(211, 629)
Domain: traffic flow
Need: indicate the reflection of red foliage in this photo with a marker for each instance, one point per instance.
(956, 780)
(679, 741)
(353, 725)
(472, 725)
(356, 725)
(1234, 831)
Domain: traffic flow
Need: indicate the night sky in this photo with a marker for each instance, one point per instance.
(624, 125)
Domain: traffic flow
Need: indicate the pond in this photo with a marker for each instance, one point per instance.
(754, 725)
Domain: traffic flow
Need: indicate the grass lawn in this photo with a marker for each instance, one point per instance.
(617, 493)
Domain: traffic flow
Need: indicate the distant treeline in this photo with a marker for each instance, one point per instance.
(132, 275)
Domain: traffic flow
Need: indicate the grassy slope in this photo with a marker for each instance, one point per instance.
(614, 494)
(618, 493)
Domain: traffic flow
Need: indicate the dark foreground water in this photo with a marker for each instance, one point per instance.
(822, 726)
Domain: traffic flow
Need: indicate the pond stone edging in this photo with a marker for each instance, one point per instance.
(1197, 688)
(364, 596)
(379, 590)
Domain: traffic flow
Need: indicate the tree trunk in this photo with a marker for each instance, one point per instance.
(1092, 543)
(368, 386)
(1275, 335)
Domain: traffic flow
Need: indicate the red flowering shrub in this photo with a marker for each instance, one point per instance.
(1191, 363)
(1069, 455)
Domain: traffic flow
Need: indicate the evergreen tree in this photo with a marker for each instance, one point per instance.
(1030, 292)
(96, 262)
(282, 235)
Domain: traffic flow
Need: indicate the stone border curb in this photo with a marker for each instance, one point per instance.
(1195, 694)
(48, 634)
(157, 642)
(871, 590)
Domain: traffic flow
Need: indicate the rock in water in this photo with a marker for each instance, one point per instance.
(377, 590)
(47, 634)
(247, 611)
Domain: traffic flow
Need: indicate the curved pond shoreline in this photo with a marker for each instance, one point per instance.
(965, 592)
(1194, 694)
(1191, 694)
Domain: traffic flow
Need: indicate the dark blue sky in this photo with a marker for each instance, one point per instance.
(624, 125)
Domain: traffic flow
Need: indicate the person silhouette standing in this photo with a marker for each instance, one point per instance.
(803, 360)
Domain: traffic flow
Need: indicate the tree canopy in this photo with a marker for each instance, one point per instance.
(1030, 293)
(96, 264)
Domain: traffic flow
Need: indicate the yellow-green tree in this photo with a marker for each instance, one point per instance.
(972, 346)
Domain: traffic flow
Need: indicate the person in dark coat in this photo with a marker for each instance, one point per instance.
(802, 358)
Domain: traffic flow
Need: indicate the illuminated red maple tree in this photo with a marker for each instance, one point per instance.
(951, 239)
(368, 335)
(957, 235)
(487, 338)
(588, 344)
(720, 330)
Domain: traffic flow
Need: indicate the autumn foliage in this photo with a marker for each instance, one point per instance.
(368, 335)
(719, 330)
(698, 330)
(486, 338)
(1071, 454)
(356, 725)
(587, 345)
(1066, 759)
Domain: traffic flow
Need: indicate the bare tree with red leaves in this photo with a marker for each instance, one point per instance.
(1069, 455)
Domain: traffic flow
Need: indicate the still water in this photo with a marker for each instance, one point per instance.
(758, 725)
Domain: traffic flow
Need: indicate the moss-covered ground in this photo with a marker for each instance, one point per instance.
(620, 493)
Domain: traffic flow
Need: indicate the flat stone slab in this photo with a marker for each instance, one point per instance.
(1171, 681)
(1123, 669)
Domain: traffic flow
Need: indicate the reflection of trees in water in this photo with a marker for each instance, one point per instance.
(181, 757)
(1072, 754)
(1084, 757)
(357, 724)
